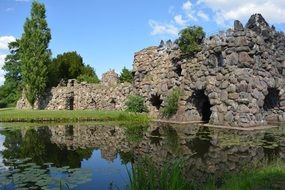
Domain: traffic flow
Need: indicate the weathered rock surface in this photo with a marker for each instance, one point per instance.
(108, 95)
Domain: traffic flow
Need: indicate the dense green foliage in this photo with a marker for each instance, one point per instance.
(11, 90)
(34, 52)
(190, 38)
(171, 104)
(136, 104)
(146, 175)
(126, 75)
(70, 65)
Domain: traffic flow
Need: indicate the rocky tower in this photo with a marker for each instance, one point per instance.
(237, 78)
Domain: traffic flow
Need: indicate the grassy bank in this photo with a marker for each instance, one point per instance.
(268, 177)
(14, 115)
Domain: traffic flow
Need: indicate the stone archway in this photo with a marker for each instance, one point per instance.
(202, 104)
(272, 99)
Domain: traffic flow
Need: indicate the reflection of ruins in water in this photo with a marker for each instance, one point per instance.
(108, 139)
(206, 151)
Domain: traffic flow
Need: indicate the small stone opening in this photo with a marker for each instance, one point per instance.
(178, 70)
(272, 99)
(202, 103)
(113, 102)
(70, 103)
(220, 59)
(156, 101)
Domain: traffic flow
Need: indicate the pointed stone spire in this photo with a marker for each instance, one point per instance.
(257, 23)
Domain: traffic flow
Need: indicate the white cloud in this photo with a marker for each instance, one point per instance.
(5, 40)
(161, 28)
(179, 20)
(187, 6)
(189, 13)
(2, 60)
(228, 10)
(203, 15)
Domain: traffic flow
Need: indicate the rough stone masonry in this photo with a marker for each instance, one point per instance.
(237, 79)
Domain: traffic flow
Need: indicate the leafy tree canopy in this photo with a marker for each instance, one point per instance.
(11, 90)
(190, 38)
(70, 65)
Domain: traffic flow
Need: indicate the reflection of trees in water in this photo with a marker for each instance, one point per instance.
(36, 145)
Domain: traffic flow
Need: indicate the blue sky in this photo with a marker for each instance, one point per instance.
(108, 33)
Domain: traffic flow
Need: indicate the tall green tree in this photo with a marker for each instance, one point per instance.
(126, 75)
(34, 52)
(11, 90)
(70, 65)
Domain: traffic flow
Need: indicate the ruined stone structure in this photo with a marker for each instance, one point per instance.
(237, 79)
(108, 95)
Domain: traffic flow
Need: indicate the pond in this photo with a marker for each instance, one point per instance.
(99, 156)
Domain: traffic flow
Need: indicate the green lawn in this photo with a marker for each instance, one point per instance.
(14, 115)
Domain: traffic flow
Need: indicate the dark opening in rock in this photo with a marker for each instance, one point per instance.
(272, 100)
(178, 70)
(70, 103)
(113, 102)
(156, 101)
(220, 59)
(202, 103)
(72, 83)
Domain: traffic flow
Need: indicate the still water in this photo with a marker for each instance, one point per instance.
(97, 156)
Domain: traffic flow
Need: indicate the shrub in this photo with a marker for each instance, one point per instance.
(190, 38)
(126, 75)
(136, 104)
(171, 104)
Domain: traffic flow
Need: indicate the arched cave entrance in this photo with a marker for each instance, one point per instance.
(202, 103)
(272, 99)
(156, 101)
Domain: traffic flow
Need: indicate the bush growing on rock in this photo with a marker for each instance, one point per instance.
(136, 104)
(171, 104)
(126, 75)
(190, 38)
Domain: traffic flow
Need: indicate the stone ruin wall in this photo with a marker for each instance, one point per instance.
(236, 79)
(155, 74)
(107, 95)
